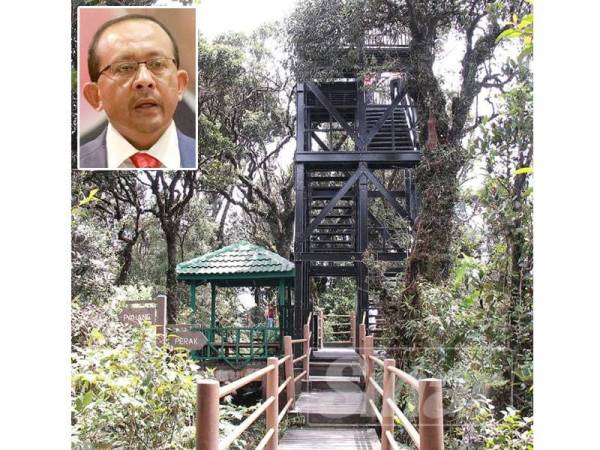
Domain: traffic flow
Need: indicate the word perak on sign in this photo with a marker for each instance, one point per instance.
(192, 340)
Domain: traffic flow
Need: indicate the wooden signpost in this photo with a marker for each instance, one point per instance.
(180, 336)
(135, 316)
(156, 315)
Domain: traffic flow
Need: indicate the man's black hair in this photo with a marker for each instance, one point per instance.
(93, 64)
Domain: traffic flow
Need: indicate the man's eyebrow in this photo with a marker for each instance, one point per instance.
(129, 56)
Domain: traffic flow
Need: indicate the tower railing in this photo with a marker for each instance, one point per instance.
(378, 39)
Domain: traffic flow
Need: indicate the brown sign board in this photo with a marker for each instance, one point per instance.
(192, 340)
(135, 316)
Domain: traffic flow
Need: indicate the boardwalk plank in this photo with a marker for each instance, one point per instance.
(330, 438)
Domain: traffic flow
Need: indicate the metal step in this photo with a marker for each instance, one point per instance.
(332, 383)
(337, 369)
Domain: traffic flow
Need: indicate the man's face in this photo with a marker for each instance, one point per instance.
(140, 107)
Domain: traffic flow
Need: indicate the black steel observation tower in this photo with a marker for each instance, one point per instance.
(353, 143)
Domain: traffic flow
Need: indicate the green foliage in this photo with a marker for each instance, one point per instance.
(523, 31)
(511, 431)
(217, 174)
(127, 392)
(246, 119)
(462, 325)
(93, 260)
(338, 296)
(195, 237)
(324, 37)
(475, 330)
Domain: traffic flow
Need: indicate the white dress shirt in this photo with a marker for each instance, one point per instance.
(119, 150)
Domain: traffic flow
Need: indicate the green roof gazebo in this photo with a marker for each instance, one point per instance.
(240, 265)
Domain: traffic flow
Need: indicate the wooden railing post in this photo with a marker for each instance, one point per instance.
(273, 409)
(306, 348)
(389, 381)
(362, 333)
(321, 327)
(353, 329)
(207, 415)
(369, 367)
(431, 414)
(289, 369)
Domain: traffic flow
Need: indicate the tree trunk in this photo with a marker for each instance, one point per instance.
(171, 278)
(518, 338)
(126, 259)
(221, 230)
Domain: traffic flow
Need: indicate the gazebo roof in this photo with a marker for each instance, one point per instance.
(238, 261)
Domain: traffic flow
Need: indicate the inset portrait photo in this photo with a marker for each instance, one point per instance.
(137, 88)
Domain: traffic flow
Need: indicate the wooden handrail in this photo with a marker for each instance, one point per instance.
(376, 386)
(408, 379)
(245, 424)
(265, 440)
(309, 317)
(431, 425)
(209, 394)
(410, 429)
(237, 384)
(298, 341)
(377, 413)
(299, 358)
(300, 376)
(390, 440)
(284, 359)
(285, 409)
(376, 360)
(284, 385)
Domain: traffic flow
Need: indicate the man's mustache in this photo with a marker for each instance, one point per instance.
(147, 98)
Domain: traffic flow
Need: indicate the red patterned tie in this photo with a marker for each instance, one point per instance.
(145, 161)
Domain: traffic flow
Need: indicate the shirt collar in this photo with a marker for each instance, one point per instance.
(119, 150)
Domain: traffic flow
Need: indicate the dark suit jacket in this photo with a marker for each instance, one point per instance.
(93, 154)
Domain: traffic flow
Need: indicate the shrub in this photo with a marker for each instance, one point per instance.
(128, 392)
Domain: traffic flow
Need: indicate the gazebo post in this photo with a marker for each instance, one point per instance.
(213, 315)
(281, 311)
(193, 298)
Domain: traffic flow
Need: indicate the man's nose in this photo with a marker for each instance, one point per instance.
(143, 78)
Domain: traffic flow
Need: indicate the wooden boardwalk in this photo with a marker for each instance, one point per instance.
(334, 406)
(331, 405)
(330, 438)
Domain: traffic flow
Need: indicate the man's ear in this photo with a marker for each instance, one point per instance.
(182, 81)
(91, 92)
